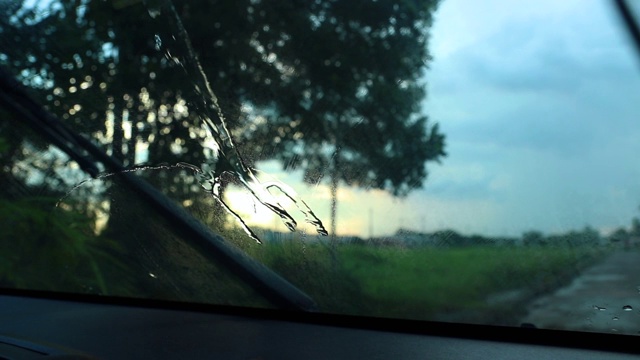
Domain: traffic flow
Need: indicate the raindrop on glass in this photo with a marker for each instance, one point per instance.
(153, 7)
(615, 318)
(627, 308)
(600, 308)
(153, 275)
(158, 41)
(154, 13)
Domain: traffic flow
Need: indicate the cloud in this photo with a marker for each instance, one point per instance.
(545, 102)
(531, 48)
(538, 83)
(539, 103)
(469, 180)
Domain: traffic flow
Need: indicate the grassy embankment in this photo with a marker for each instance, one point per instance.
(425, 283)
(417, 283)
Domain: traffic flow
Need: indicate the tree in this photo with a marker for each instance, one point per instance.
(335, 87)
(635, 227)
(354, 113)
(620, 235)
(533, 238)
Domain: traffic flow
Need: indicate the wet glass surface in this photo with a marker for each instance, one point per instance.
(449, 160)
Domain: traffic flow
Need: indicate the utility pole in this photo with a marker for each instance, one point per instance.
(370, 223)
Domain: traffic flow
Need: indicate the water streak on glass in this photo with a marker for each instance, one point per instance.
(162, 166)
(229, 160)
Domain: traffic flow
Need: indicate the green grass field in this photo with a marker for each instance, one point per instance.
(443, 283)
(422, 283)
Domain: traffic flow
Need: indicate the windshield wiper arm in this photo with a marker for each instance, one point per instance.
(272, 286)
(14, 97)
(630, 21)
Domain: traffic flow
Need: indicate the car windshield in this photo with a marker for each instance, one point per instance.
(456, 161)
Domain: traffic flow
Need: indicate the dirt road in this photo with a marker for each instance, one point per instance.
(604, 298)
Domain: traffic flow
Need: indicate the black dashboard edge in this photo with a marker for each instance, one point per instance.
(619, 343)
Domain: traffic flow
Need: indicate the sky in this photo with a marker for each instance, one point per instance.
(540, 104)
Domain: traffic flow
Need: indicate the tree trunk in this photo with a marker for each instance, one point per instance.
(135, 116)
(334, 200)
(118, 134)
(333, 241)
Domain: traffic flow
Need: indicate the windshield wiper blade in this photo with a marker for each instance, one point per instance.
(263, 280)
(630, 21)
(14, 97)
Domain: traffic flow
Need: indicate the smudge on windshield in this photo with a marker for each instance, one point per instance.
(226, 159)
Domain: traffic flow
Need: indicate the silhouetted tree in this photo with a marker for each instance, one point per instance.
(533, 237)
(332, 88)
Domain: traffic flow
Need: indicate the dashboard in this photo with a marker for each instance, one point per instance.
(48, 325)
(71, 326)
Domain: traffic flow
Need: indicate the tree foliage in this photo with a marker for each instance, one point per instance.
(333, 88)
(351, 109)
